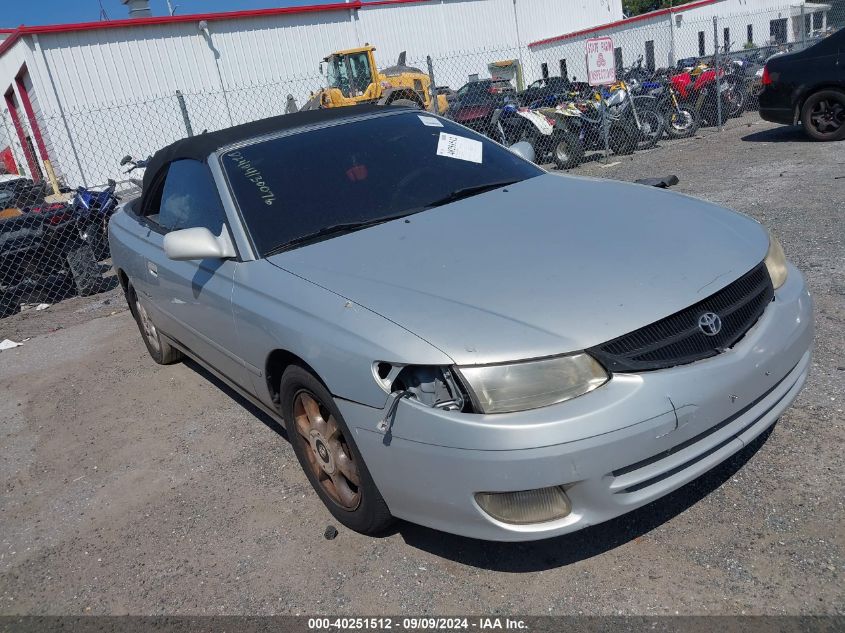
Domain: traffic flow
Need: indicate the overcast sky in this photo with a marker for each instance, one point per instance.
(16, 12)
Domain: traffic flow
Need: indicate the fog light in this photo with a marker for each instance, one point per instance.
(525, 506)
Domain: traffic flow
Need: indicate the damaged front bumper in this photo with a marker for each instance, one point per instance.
(631, 441)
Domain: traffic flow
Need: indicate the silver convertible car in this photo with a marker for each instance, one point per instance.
(454, 336)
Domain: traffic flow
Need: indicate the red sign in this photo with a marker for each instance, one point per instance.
(601, 63)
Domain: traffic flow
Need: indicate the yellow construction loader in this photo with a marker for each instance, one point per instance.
(352, 78)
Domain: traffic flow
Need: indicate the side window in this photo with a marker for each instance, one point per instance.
(189, 199)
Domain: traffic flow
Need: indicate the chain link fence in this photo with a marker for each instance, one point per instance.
(676, 77)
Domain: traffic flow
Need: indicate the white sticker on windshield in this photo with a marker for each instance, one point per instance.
(459, 147)
(430, 121)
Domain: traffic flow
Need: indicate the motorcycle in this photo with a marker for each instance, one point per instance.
(680, 121)
(630, 121)
(94, 208)
(644, 109)
(702, 87)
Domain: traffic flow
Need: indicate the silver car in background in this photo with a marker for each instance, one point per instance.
(452, 335)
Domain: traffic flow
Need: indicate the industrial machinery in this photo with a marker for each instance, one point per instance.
(352, 78)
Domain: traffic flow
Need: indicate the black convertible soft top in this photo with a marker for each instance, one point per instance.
(200, 146)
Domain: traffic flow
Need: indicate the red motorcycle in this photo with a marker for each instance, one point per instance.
(699, 90)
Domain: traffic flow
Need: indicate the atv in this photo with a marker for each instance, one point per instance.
(42, 248)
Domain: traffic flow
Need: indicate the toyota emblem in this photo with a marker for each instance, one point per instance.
(710, 323)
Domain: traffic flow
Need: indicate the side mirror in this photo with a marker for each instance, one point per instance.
(198, 243)
(524, 149)
(125, 160)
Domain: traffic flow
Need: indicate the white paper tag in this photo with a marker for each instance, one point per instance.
(459, 147)
(430, 121)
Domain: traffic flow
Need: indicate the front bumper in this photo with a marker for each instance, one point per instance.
(629, 442)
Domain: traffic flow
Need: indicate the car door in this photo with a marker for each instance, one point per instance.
(192, 300)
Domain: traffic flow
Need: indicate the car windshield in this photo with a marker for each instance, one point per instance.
(362, 171)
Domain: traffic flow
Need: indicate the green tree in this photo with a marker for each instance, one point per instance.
(636, 7)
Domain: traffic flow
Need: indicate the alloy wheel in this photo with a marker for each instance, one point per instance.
(827, 116)
(330, 459)
(680, 121)
(562, 152)
(147, 326)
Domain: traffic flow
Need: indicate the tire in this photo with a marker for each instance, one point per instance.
(566, 149)
(96, 235)
(322, 446)
(735, 100)
(823, 115)
(709, 112)
(622, 141)
(160, 350)
(408, 103)
(83, 268)
(654, 124)
(682, 124)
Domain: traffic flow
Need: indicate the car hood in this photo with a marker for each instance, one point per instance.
(549, 265)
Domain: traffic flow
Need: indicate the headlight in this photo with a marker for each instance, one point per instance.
(776, 262)
(532, 384)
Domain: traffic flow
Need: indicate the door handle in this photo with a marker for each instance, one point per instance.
(153, 269)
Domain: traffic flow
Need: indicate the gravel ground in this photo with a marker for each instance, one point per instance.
(134, 488)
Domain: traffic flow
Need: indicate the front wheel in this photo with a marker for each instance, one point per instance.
(96, 235)
(651, 127)
(84, 270)
(682, 122)
(567, 151)
(327, 452)
(160, 350)
(823, 115)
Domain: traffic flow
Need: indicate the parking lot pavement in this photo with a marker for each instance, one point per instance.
(134, 488)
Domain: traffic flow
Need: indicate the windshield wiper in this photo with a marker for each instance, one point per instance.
(466, 192)
(329, 231)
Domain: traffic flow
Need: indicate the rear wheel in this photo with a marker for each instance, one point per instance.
(328, 455)
(160, 350)
(823, 115)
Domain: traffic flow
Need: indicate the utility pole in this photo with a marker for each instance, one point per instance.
(671, 36)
